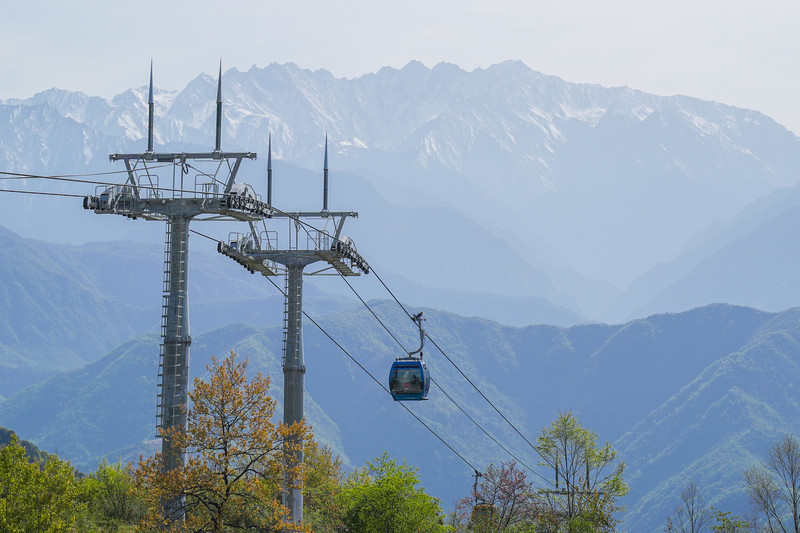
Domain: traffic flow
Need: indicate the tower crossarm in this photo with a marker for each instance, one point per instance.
(345, 268)
(343, 256)
(250, 263)
(177, 157)
(315, 214)
(122, 200)
(339, 252)
(250, 258)
(132, 162)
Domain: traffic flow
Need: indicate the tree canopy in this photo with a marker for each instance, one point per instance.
(503, 501)
(237, 459)
(588, 478)
(383, 497)
(38, 497)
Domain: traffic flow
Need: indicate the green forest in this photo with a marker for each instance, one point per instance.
(238, 462)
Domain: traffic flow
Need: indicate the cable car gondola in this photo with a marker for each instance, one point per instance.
(409, 378)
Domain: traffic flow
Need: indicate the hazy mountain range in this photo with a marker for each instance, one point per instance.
(499, 194)
(697, 395)
(503, 181)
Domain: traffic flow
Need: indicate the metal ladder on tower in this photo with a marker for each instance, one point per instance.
(171, 320)
(165, 298)
(292, 295)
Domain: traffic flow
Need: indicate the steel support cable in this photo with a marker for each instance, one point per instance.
(488, 400)
(374, 272)
(373, 313)
(297, 219)
(462, 373)
(45, 193)
(471, 419)
(362, 367)
(67, 177)
(518, 432)
(381, 385)
(12, 175)
(517, 459)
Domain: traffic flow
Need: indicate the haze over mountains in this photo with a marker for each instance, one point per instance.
(503, 181)
(498, 194)
(697, 395)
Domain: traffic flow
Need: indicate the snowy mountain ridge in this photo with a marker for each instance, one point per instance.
(290, 101)
(601, 182)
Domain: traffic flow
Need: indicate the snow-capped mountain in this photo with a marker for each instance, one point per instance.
(583, 182)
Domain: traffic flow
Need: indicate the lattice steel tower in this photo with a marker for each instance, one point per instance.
(192, 193)
(305, 245)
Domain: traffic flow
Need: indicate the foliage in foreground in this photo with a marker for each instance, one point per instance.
(51, 497)
(322, 490)
(590, 475)
(238, 460)
(233, 478)
(589, 484)
(383, 497)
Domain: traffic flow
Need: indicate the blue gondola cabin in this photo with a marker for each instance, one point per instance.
(409, 379)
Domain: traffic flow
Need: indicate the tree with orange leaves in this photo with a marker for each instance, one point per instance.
(237, 459)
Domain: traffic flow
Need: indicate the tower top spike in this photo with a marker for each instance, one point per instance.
(150, 98)
(150, 108)
(325, 177)
(269, 170)
(218, 144)
(219, 83)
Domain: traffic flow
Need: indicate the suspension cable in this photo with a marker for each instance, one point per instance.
(503, 416)
(362, 367)
(42, 193)
(381, 322)
(297, 219)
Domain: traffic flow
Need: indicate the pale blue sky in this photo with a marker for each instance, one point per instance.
(742, 53)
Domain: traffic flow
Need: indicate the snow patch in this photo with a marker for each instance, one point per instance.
(641, 112)
(704, 126)
(591, 116)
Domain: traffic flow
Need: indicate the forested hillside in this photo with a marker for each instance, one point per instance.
(671, 392)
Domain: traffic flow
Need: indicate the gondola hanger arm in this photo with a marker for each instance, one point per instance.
(418, 320)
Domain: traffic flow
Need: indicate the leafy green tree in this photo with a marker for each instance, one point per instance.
(727, 522)
(322, 488)
(39, 498)
(34, 454)
(589, 478)
(111, 496)
(382, 497)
